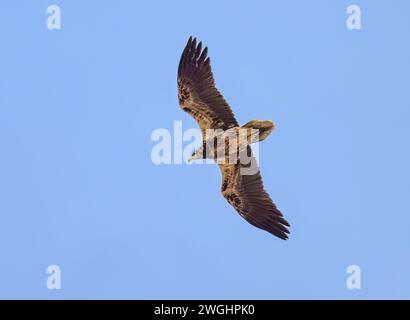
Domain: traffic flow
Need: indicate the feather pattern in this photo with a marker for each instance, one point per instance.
(197, 93)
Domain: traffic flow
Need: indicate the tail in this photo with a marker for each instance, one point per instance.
(264, 128)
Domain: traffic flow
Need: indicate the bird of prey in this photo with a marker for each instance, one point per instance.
(199, 97)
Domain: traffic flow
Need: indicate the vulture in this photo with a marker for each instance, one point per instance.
(242, 188)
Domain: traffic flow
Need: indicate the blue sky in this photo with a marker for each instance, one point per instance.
(78, 188)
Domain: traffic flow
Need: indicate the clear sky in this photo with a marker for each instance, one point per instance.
(78, 188)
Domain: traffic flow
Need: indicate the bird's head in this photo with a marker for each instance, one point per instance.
(196, 154)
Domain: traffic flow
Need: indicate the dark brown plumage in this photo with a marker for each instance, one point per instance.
(199, 97)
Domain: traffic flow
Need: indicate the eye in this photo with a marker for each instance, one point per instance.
(193, 153)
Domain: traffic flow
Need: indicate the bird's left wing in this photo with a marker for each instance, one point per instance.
(197, 93)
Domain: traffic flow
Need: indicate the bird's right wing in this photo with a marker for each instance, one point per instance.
(197, 93)
(246, 193)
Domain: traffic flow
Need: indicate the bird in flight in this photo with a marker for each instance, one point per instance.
(243, 189)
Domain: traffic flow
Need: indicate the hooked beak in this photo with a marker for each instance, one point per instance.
(195, 156)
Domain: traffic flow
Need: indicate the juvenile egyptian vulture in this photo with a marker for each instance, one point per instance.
(242, 184)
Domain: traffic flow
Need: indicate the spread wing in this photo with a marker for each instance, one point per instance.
(197, 93)
(248, 196)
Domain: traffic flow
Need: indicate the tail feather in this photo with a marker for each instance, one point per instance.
(264, 128)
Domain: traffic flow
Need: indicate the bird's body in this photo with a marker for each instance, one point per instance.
(242, 184)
